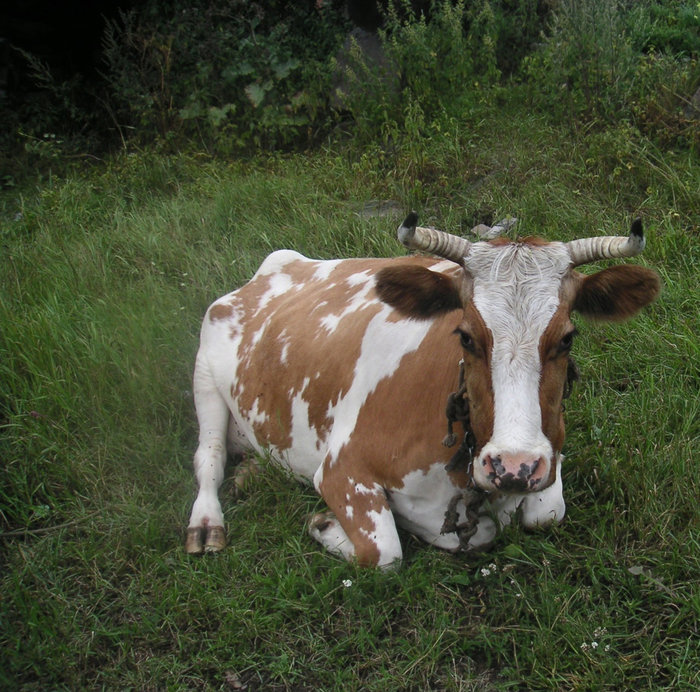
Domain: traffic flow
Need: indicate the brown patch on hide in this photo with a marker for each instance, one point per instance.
(220, 312)
(477, 374)
(364, 497)
(554, 359)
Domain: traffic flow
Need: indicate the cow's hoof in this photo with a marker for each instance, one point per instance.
(193, 542)
(216, 539)
(200, 540)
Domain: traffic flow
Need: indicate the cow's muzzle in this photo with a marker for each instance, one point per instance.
(515, 473)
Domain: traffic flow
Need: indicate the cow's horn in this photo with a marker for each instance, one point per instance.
(430, 240)
(607, 247)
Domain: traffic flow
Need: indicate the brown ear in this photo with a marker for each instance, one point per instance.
(417, 291)
(616, 293)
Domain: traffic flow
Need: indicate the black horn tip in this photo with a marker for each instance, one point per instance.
(411, 221)
(637, 229)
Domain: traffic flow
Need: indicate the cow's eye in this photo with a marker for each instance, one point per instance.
(466, 340)
(567, 341)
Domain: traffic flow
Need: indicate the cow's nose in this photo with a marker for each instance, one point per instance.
(514, 472)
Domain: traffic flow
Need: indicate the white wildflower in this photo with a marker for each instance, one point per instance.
(347, 583)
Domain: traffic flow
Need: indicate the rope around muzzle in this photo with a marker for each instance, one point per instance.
(457, 411)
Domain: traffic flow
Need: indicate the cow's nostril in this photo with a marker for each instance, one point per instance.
(497, 466)
(527, 470)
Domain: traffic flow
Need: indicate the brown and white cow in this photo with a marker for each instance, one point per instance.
(341, 369)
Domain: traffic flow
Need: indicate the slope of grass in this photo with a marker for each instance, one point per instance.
(104, 278)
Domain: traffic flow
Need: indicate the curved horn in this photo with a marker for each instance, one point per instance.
(607, 247)
(436, 242)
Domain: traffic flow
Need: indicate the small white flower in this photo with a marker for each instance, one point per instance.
(607, 647)
(594, 645)
(584, 646)
(493, 567)
(347, 583)
(485, 572)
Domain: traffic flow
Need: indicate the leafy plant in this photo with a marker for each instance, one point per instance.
(245, 72)
(608, 61)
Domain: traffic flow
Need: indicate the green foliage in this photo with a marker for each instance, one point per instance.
(588, 64)
(671, 27)
(519, 25)
(606, 61)
(438, 65)
(236, 73)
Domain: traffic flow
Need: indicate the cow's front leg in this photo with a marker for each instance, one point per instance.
(206, 532)
(361, 525)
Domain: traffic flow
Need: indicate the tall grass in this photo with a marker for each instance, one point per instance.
(104, 278)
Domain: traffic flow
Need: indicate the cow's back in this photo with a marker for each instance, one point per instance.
(313, 365)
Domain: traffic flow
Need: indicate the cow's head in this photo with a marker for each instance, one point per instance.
(516, 299)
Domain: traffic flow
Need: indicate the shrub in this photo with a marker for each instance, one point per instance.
(587, 65)
(609, 61)
(439, 63)
(242, 72)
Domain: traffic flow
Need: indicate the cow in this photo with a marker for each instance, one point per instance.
(340, 370)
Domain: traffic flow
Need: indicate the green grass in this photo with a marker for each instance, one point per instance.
(104, 278)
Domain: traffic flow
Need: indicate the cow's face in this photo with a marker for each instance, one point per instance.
(516, 337)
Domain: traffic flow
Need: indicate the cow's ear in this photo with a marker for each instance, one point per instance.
(417, 291)
(616, 293)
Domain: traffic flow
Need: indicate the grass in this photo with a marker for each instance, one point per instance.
(105, 277)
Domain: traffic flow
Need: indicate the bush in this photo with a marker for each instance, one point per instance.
(587, 65)
(238, 72)
(438, 64)
(609, 61)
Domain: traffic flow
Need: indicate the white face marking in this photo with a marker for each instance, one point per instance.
(516, 291)
(537, 509)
